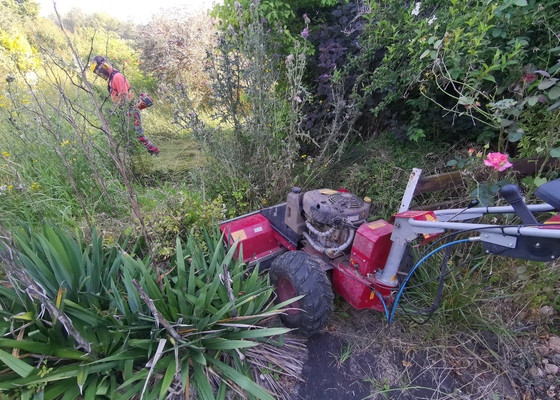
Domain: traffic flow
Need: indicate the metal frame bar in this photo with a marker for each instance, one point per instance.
(407, 229)
(518, 230)
(410, 189)
(459, 214)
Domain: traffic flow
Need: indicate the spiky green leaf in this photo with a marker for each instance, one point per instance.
(241, 380)
(15, 364)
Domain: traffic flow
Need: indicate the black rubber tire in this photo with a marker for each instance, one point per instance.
(297, 273)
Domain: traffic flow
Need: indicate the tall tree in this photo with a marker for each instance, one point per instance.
(24, 8)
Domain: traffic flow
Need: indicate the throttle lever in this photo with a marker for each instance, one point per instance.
(512, 194)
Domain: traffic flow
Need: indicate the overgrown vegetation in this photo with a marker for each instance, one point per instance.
(109, 324)
(265, 96)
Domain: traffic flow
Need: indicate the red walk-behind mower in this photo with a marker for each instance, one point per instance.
(321, 240)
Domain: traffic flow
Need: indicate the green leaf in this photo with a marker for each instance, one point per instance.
(520, 3)
(83, 314)
(240, 379)
(516, 112)
(554, 68)
(516, 135)
(43, 348)
(91, 388)
(57, 389)
(28, 316)
(200, 382)
(132, 354)
(554, 93)
(71, 394)
(539, 181)
(38, 269)
(133, 392)
(532, 100)
(546, 83)
(506, 122)
(167, 379)
(83, 371)
(286, 303)
(224, 344)
(180, 263)
(258, 333)
(555, 152)
(425, 53)
(221, 395)
(133, 296)
(198, 356)
(138, 376)
(60, 373)
(554, 106)
(63, 276)
(455, 73)
(15, 364)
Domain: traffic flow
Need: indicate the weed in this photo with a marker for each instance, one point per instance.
(380, 387)
(344, 355)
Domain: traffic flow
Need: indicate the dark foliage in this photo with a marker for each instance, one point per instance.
(331, 76)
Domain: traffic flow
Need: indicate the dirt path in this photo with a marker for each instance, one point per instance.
(330, 376)
(359, 357)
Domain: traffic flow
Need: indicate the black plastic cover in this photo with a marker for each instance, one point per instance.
(550, 193)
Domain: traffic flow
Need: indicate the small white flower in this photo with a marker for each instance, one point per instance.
(431, 20)
(416, 10)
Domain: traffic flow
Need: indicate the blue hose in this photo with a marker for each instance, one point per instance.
(391, 317)
(383, 303)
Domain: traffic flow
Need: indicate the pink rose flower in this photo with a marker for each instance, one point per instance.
(498, 161)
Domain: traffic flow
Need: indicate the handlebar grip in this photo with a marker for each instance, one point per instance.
(512, 194)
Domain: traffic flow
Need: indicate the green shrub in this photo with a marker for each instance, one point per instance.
(251, 135)
(469, 59)
(380, 169)
(94, 321)
(180, 214)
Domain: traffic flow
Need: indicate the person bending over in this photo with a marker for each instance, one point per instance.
(122, 96)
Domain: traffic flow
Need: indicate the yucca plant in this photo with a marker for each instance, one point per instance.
(85, 321)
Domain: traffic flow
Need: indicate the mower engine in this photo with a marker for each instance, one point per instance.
(332, 218)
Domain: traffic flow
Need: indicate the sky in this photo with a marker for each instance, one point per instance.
(139, 11)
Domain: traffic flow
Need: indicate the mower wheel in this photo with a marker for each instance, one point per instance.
(297, 273)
